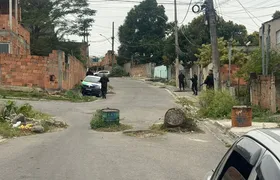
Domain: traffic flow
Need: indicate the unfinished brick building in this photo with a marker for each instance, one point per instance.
(14, 38)
(18, 68)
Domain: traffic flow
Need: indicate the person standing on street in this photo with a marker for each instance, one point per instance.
(181, 81)
(209, 81)
(104, 83)
(89, 73)
(194, 80)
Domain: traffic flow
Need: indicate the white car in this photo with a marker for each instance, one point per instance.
(101, 73)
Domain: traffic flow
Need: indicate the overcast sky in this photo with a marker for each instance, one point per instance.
(250, 13)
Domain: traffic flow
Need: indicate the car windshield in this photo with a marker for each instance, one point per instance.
(92, 79)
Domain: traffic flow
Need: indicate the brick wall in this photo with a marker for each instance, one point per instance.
(224, 72)
(19, 37)
(51, 72)
(142, 70)
(263, 92)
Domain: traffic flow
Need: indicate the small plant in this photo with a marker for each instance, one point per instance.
(216, 104)
(98, 123)
(185, 102)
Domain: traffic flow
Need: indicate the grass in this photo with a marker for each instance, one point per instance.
(97, 123)
(8, 132)
(216, 104)
(6, 129)
(71, 95)
(184, 128)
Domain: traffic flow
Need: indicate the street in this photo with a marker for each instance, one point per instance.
(80, 153)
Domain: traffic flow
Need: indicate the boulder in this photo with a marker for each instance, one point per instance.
(59, 124)
(19, 117)
(38, 129)
(50, 122)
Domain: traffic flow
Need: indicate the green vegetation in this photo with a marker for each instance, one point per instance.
(216, 104)
(73, 95)
(97, 123)
(8, 132)
(27, 110)
(48, 22)
(118, 71)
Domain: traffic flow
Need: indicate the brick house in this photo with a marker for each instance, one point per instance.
(14, 38)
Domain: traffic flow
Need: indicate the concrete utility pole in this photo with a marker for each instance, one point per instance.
(214, 43)
(113, 43)
(263, 51)
(229, 60)
(267, 50)
(176, 44)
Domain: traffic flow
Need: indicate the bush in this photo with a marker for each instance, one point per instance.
(98, 123)
(118, 71)
(216, 104)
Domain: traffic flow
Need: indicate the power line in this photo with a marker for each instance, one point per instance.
(186, 13)
(247, 12)
(130, 1)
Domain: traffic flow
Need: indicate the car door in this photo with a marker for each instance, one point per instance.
(268, 168)
(240, 160)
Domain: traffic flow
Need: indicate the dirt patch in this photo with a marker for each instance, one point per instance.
(144, 133)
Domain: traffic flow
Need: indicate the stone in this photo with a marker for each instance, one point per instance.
(38, 129)
(59, 124)
(50, 122)
(19, 117)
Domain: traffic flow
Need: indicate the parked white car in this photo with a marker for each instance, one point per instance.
(101, 73)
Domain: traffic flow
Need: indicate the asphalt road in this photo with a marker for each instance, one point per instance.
(79, 153)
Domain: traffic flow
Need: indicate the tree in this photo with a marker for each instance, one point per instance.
(276, 15)
(196, 33)
(254, 64)
(238, 57)
(48, 21)
(142, 34)
(254, 38)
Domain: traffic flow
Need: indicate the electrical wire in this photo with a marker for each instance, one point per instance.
(247, 12)
(186, 13)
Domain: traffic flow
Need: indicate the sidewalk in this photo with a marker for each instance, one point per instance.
(236, 132)
(222, 125)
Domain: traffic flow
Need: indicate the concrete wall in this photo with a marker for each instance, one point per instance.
(127, 67)
(160, 72)
(202, 73)
(36, 71)
(274, 28)
(263, 92)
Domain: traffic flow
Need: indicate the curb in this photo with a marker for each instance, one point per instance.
(225, 129)
(2, 139)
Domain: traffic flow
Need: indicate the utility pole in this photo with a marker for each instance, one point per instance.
(113, 43)
(176, 44)
(229, 60)
(263, 51)
(214, 43)
(267, 50)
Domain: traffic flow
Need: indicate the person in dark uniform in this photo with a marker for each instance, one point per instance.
(209, 81)
(89, 73)
(194, 80)
(104, 83)
(181, 81)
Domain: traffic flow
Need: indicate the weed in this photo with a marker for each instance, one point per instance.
(7, 131)
(216, 104)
